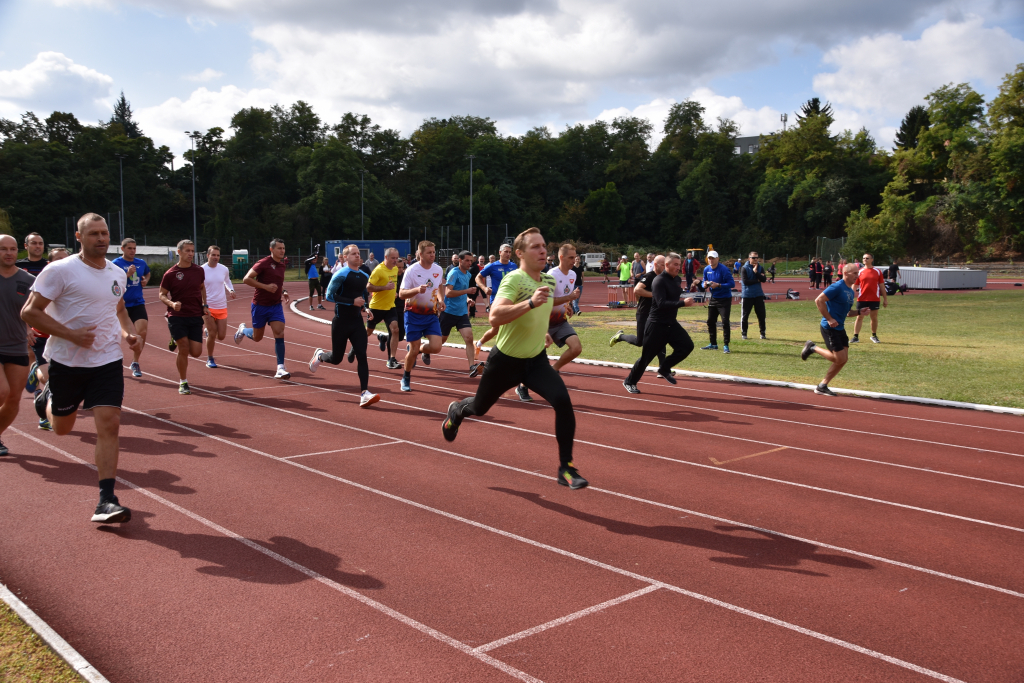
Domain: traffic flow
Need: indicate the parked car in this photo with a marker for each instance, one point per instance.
(593, 261)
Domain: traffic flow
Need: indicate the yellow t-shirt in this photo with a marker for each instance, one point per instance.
(381, 276)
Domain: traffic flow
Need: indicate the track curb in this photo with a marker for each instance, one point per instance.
(943, 403)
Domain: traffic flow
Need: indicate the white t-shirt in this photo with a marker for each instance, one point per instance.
(217, 280)
(83, 296)
(650, 266)
(564, 284)
(416, 275)
(338, 265)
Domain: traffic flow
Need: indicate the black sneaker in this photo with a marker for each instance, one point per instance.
(568, 476)
(383, 341)
(523, 393)
(743, 337)
(352, 355)
(426, 359)
(393, 364)
(667, 376)
(450, 426)
(476, 368)
(110, 512)
(3, 449)
(855, 339)
(42, 397)
(171, 345)
(824, 390)
(631, 388)
(763, 336)
(808, 350)
(875, 339)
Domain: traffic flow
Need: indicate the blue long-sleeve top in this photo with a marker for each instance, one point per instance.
(752, 277)
(723, 277)
(345, 287)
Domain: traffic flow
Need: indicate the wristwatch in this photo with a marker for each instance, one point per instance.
(532, 305)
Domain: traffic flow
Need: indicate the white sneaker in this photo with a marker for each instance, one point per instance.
(282, 373)
(314, 363)
(239, 333)
(367, 399)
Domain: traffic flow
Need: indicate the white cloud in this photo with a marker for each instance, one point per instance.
(205, 76)
(53, 82)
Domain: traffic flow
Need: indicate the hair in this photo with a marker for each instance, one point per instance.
(505, 245)
(671, 255)
(275, 241)
(126, 241)
(868, 255)
(566, 248)
(55, 251)
(344, 252)
(389, 250)
(423, 245)
(753, 253)
(211, 248)
(349, 248)
(86, 219)
(182, 243)
(520, 243)
(33, 234)
(464, 253)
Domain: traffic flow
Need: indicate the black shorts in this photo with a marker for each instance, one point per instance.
(835, 340)
(459, 322)
(314, 287)
(21, 359)
(136, 313)
(186, 326)
(96, 387)
(873, 305)
(377, 315)
(38, 346)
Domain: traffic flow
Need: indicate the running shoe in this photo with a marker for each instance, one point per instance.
(743, 337)
(450, 426)
(725, 348)
(32, 383)
(763, 337)
(568, 476)
(476, 350)
(523, 393)
(709, 347)
(824, 390)
(314, 362)
(136, 370)
(631, 388)
(172, 345)
(239, 333)
(367, 399)
(476, 368)
(667, 376)
(616, 338)
(320, 307)
(382, 339)
(352, 355)
(183, 388)
(808, 350)
(212, 364)
(41, 399)
(426, 359)
(855, 340)
(393, 364)
(45, 425)
(311, 307)
(282, 373)
(875, 339)
(405, 385)
(3, 449)
(110, 512)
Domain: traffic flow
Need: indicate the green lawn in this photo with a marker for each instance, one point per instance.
(962, 347)
(25, 657)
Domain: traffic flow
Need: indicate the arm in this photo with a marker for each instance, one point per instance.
(381, 288)
(571, 296)
(410, 293)
(761, 277)
(165, 298)
(822, 302)
(34, 314)
(128, 327)
(250, 279)
(145, 278)
(505, 311)
(641, 291)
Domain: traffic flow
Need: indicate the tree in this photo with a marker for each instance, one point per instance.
(605, 214)
(913, 123)
(123, 115)
(886, 233)
(812, 107)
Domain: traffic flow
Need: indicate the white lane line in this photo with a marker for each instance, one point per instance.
(566, 619)
(779, 534)
(341, 450)
(345, 590)
(501, 532)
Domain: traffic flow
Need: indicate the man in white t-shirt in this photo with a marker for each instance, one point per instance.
(650, 263)
(86, 322)
(218, 287)
(423, 291)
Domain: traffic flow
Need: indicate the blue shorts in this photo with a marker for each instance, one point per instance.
(419, 325)
(261, 315)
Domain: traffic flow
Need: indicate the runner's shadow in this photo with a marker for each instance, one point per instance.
(675, 413)
(55, 471)
(768, 551)
(137, 444)
(215, 428)
(226, 557)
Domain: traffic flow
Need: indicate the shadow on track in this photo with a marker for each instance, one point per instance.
(61, 471)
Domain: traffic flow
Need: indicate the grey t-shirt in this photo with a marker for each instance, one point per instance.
(13, 295)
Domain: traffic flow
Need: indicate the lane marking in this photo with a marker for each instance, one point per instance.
(726, 462)
(566, 619)
(345, 590)
(340, 450)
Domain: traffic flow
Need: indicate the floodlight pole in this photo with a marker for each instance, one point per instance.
(193, 135)
(120, 165)
(362, 232)
(471, 157)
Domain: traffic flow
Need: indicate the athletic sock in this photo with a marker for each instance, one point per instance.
(106, 490)
(247, 331)
(279, 350)
(407, 376)
(387, 343)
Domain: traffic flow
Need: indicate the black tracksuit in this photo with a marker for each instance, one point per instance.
(662, 328)
(347, 327)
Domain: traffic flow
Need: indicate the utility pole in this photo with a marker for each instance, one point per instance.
(120, 165)
(471, 157)
(194, 135)
(784, 117)
(362, 232)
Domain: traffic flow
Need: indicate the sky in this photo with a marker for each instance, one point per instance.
(191, 64)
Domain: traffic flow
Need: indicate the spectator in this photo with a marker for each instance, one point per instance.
(650, 263)
(736, 266)
(625, 270)
(606, 268)
(577, 267)
(752, 295)
(453, 264)
(371, 262)
(771, 272)
(690, 268)
(827, 273)
(639, 268)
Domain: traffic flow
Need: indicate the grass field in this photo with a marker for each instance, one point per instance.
(24, 657)
(962, 347)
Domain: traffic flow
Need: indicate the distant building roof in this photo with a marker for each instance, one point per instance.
(141, 251)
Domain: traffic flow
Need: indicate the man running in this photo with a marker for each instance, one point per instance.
(15, 284)
(869, 285)
(311, 266)
(456, 308)
(38, 372)
(35, 261)
(663, 329)
(77, 301)
(752, 296)
(383, 288)
(134, 302)
(564, 293)
(521, 311)
(182, 291)
(346, 293)
(218, 288)
(496, 271)
(267, 277)
(834, 304)
(718, 280)
(423, 290)
(644, 298)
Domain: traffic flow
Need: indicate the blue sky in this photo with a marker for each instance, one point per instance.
(192, 63)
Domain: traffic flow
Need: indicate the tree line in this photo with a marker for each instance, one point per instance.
(951, 185)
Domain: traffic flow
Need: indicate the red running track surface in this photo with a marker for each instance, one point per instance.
(731, 533)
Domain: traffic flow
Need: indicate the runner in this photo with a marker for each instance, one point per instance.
(134, 302)
(663, 329)
(423, 289)
(834, 304)
(869, 285)
(346, 293)
(77, 301)
(15, 284)
(35, 261)
(182, 291)
(38, 372)
(218, 287)
(771, 272)
(564, 293)
(752, 296)
(313, 278)
(489, 281)
(644, 298)
(267, 276)
(521, 310)
(456, 308)
(718, 280)
(383, 288)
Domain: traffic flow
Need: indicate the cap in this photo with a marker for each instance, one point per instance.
(712, 254)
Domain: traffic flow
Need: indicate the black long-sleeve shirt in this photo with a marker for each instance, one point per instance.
(346, 286)
(666, 290)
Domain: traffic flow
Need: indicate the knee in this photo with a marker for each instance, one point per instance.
(562, 403)
(6, 394)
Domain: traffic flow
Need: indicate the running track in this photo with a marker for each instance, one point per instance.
(731, 533)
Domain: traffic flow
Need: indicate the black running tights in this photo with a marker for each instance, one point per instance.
(656, 337)
(353, 331)
(638, 338)
(719, 307)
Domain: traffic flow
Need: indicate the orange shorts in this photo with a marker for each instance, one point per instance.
(219, 313)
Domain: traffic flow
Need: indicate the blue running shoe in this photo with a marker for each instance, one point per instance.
(405, 385)
(32, 383)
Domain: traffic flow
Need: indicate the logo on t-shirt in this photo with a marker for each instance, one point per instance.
(273, 267)
(116, 288)
(179, 275)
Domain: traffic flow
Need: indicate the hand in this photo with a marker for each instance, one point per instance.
(358, 302)
(285, 298)
(390, 285)
(540, 296)
(232, 294)
(885, 304)
(863, 312)
(134, 342)
(83, 336)
(176, 306)
(130, 271)
(272, 288)
(471, 291)
(489, 290)
(440, 306)
(832, 322)
(575, 295)
(31, 336)
(422, 288)
(548, 341)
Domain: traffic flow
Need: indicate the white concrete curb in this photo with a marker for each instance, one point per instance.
(50, 637)
(753, 380)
